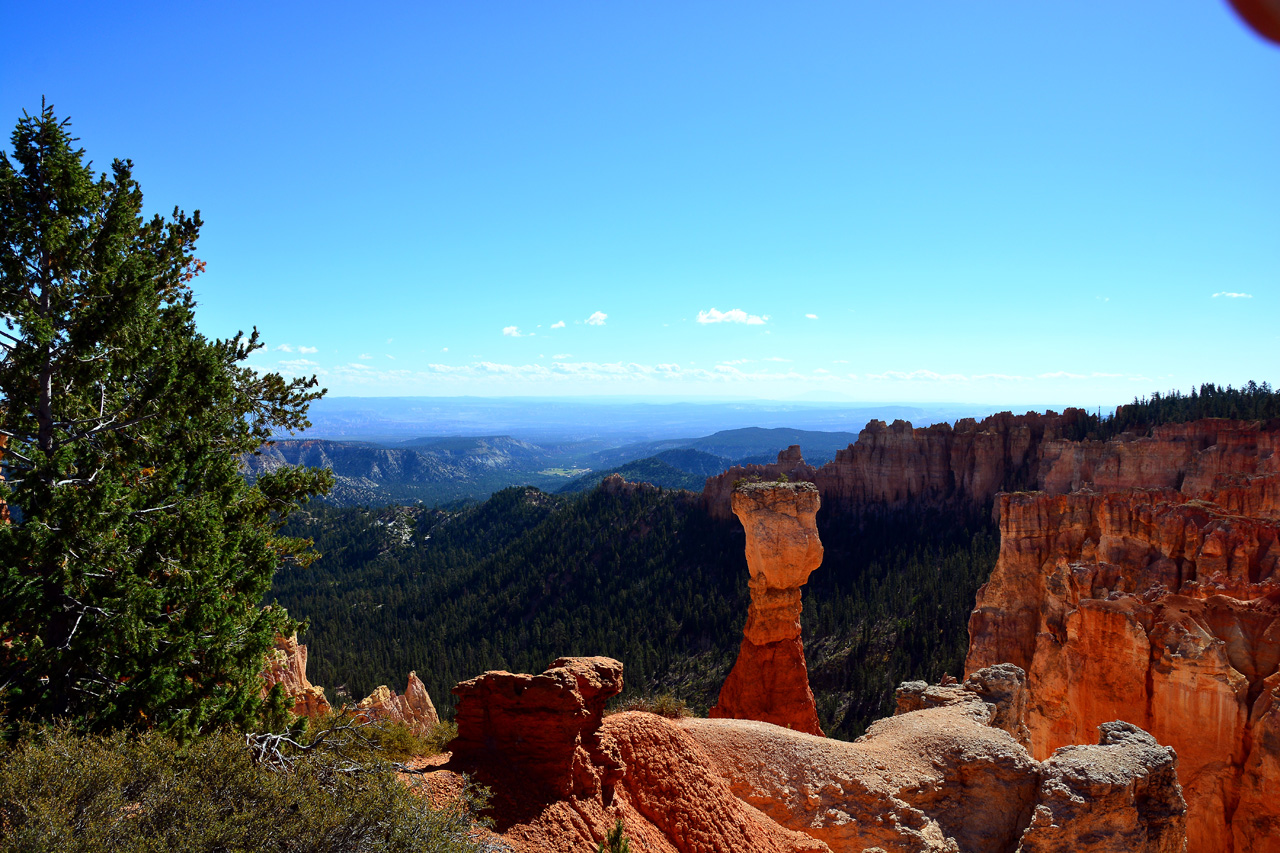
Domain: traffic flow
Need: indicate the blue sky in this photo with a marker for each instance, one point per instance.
(1004, 202)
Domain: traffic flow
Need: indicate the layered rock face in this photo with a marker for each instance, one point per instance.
(966, 465)
(287, 666)
(1154, 608)
(770, 681)
(546, 726)
(940, 778)
(561, 775)
(414, 709)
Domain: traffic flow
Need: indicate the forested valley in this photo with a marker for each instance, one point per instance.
(640, 574)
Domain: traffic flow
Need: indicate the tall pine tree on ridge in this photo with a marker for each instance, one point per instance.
(132, 571)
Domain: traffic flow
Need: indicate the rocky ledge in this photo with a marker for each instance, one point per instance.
(946, 774)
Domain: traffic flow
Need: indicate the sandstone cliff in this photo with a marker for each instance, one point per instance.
(943, 776)
(770, 681)
(968, 464)
(1158, 609)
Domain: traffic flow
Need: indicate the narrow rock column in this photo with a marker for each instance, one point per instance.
(770, 681)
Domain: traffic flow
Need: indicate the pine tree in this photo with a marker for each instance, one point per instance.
(133, 567)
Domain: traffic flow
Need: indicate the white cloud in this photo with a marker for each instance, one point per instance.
(392, 357)
(737, 361)
(284, 348)
(307, 350)
(812, 316)
(735, 315)
(364, 356)
(298, 362)
(1231, 295)
(558, 325)
(597, 319)
(777, 358)
(1103, 298)
(562, 355)
(513, 332)
(841, 361)
(444, 349)
(821, 370)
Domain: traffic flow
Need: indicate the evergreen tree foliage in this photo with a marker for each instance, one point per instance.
(1252, 402)
(132, 572)
(644, 576)
(615, 841)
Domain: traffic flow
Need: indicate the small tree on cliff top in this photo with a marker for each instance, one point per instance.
(132, 571)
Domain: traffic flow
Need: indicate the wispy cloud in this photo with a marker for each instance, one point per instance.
(284, 348)
(307, 350)
(777, 358)
(298, 362)
(561, 356)
(514, 332)
(812, 316)
(597, 319)
(1229, 295)
(558, 325)
(736, 315)
(364, 356)
(933, 376)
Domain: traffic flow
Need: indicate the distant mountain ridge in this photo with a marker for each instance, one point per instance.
(684, 468)
(443, 469)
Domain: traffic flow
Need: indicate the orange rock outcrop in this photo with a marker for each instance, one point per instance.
(1159, 609)
(287, 666)
(770, 681)
(414, 708)
(944, 775)
(562, 775)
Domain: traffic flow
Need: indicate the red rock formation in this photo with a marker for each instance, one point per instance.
(770, 681)
(545, 726)
(941, 777)
(1153, 608)
(966, 465)
(414, 709)
(944, 777)
(287, 666)
(561, 776)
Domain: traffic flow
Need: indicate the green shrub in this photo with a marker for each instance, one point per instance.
(69, 792)
(615, 841)
(387, 740)
(664, 705)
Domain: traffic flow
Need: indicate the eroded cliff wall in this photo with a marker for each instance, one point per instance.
(1154, 607)
(894, 465)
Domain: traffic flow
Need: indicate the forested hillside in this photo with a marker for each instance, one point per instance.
(684, 468)
(642, 575)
